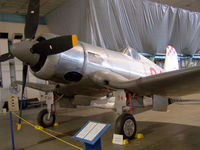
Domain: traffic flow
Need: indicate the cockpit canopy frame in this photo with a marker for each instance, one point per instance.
(129, 51)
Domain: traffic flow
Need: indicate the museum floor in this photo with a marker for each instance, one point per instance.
(177, 129)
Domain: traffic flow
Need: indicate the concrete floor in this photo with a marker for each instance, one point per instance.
(177, 129)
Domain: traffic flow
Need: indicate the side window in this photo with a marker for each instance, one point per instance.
(95, 58)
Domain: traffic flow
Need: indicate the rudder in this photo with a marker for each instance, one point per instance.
(171, 59)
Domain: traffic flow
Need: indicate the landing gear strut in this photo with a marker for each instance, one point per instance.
(125, 123)
(46, 117)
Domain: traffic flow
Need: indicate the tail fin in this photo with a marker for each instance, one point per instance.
(171, 59)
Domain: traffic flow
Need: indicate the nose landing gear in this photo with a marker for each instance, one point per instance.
(46, 119)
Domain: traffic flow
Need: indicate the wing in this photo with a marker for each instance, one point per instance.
(38, 86)
(174, 83)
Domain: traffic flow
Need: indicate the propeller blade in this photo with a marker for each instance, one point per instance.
(32, 19)
(5, 57)
(55, 45)
(24, 75)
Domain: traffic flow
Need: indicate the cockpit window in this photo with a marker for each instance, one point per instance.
(128, 53)
(131, 52)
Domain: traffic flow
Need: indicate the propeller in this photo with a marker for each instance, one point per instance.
(31, 24)
(32, 18)
(6, 57)
(29, 52)
(43, 48)
(55, 45)
(24, 75)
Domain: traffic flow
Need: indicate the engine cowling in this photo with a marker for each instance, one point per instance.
(63, 67)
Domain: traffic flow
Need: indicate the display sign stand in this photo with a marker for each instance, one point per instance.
(96, 146)
(91, 134)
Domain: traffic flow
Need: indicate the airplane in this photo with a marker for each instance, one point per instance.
(79, 68)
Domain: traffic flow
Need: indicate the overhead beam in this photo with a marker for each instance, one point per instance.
(16, 18)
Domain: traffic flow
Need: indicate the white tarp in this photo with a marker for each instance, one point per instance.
(114, 24)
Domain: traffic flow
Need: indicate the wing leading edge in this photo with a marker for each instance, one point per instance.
(174, 83)
(39, 86)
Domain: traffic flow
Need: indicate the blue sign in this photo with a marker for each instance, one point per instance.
(91, 134)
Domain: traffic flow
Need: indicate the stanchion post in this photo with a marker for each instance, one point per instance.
(11, 130)
(13, 106)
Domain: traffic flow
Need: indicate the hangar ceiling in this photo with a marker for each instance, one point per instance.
(20, 6)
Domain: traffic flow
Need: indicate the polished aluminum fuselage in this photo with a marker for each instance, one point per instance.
(87, 59)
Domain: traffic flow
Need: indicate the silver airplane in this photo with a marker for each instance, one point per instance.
(79, 68)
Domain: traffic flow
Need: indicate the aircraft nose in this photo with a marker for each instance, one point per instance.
(21, 50)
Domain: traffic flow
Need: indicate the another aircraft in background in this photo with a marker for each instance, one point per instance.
(82, 69)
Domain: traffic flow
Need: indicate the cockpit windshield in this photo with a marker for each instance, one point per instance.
(131, 52)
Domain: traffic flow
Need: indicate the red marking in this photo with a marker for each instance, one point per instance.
(152, 71)
(108, 88)
(122, 98)
(170, 50)
(130, 103)
(168, 47)
(118, 97)
(160, 71)
(49, 98)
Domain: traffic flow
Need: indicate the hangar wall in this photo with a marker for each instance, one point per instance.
(141, 24)
(11, 27)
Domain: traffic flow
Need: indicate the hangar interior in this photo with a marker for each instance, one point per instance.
(144, 25)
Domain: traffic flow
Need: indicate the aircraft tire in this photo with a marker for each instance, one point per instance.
(126, 125)
(43, 121)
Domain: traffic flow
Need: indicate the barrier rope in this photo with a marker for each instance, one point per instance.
(56, 132)
(3, 112)
(42, 130)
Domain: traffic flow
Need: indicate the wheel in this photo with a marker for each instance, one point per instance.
(126, 125)
(43, 119)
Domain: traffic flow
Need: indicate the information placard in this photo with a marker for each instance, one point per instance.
(91, 132)
(13, 103)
